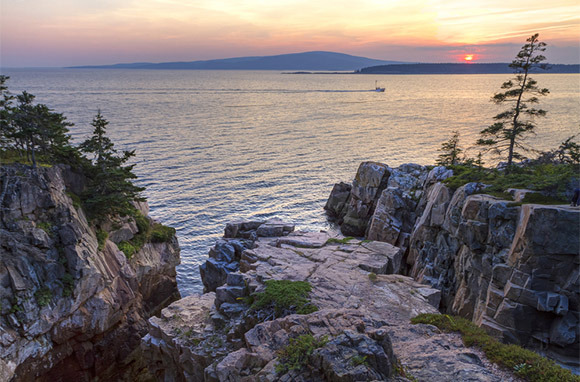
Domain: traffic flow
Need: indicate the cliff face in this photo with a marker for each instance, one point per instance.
(511, 268)
(72, 309)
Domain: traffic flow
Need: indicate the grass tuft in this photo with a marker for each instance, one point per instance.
(102, 238)
(345, 240)
(285, 296)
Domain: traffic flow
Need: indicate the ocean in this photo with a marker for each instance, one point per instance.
(219, 146)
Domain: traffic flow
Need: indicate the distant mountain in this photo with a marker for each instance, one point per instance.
(460, 69)
(323, 61)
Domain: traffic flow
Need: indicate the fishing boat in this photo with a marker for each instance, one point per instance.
(379, 89)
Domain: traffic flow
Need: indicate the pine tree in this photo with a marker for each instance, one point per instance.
(450, 151)
(38, 130)
(508, 134)
(5, 112)
(110, 189)
(34, 129)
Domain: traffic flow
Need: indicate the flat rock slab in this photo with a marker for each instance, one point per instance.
(360, 307)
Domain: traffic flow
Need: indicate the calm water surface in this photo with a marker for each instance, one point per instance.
(216, 146)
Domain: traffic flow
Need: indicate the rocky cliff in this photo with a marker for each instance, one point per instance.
(73, 306)
(511, 268)
(362, 325)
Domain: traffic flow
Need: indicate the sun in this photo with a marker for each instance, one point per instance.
(468, 57)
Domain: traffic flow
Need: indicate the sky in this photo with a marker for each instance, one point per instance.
(56, 33)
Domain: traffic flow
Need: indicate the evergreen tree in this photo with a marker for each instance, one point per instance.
(34, 129)
(450, 151)
(507, 135)
(5, 113)
(110, 189)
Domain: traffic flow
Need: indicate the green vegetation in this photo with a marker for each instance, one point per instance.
(506, 136)
(46, 227)
(110, 190)
(358, 360)
(156, 234)
(43, 296)
(161, 233)
(450, 151)
(144, 233)
(373, 277)
(403, 372)
(102, 238)
(16, 307)
(33, 134)
(551, 179)
(76, 200)
(525, 363)
(295, 355)
(68, 283)
(127, 248)
(345, 240)
(284, 297)
(536, 198)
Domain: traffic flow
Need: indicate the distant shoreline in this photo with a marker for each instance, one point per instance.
(471, 68)
(392, 69)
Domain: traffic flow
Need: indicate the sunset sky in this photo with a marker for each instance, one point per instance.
(80, 32)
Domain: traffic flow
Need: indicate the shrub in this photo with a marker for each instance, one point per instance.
(285, 296)
(127, 248)
(68, 282)
(295, 355)
(511, 356)
(43, 296)
(141, 221)
(161, 233)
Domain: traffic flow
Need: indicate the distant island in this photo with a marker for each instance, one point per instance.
(471, 68)
(329, 63)
(323, 61)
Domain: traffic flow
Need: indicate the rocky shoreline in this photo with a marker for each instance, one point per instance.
(511, 268)
(408, 244)
(365, 313)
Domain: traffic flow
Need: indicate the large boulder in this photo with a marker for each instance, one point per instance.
(224, 256)
(354, 210)
(394, 215)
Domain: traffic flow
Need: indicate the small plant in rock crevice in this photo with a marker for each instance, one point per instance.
(334, 240)
(43, 296)
(295, 355)
(358, 360)
(101, 238)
